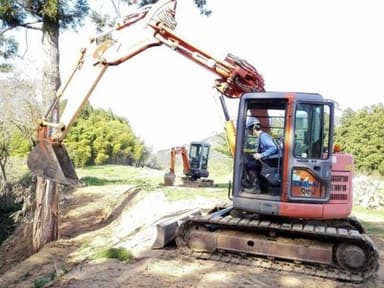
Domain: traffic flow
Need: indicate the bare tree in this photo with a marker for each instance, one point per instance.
(20, 110)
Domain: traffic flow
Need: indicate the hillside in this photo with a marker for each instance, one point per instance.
(115, 216)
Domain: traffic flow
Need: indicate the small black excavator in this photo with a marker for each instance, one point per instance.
(195, 165)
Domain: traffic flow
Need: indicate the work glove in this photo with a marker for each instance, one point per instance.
(257, 156)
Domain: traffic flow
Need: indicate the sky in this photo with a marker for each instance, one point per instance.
(334, 48)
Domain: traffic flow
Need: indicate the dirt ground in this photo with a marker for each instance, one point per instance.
(124, 216)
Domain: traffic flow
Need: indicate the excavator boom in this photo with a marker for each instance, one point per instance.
(149, 27)
(49, 158)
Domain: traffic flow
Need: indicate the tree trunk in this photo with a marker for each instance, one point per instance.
(46, 217)
(3, 171)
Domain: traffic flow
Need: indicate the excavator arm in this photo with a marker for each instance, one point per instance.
(184, 157)
(170, 177)
(149, 27)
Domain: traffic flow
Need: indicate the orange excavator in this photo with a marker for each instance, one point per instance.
(195, 165)
(301, 222)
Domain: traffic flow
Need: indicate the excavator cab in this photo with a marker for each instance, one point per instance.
(300, 172)
(198, 160)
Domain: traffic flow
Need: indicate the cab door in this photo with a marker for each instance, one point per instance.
(310, 159)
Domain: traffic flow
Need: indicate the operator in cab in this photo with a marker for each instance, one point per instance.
(259, 150)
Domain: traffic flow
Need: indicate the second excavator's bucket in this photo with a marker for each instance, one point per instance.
(50, 160)
(169, 178)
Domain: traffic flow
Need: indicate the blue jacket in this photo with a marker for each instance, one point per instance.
(266, 146)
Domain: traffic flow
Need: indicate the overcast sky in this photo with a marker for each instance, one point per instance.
(330, 47)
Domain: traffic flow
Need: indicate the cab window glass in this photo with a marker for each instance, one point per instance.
(311, 131)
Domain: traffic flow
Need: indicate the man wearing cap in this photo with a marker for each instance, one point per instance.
(265, 147)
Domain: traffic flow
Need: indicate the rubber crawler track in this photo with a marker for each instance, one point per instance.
(348, 230)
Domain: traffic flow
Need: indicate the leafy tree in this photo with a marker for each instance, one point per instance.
(12, 143)
(200, 4)
(102, 19)
(145, 154)
(361, 134)
(222, 145)
(19, 111)
(100, 137)
(8, 49)
(4, 150)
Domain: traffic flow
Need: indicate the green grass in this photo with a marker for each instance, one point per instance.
(371, 219)
(17, 168)
(107, 174)
(42, 281)
(95, 181)
(374, 213)
(119, 253)
(373, 228)
(119, 174)
(149, 179)
(184, 193)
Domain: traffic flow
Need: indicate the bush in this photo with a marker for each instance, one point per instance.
(119, 253)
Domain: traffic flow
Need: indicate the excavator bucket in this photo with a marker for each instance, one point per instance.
(50, 160)
(169, 178)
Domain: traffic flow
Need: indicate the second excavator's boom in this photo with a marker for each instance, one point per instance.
(149, 27)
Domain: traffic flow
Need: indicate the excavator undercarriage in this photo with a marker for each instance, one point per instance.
(333, 249)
